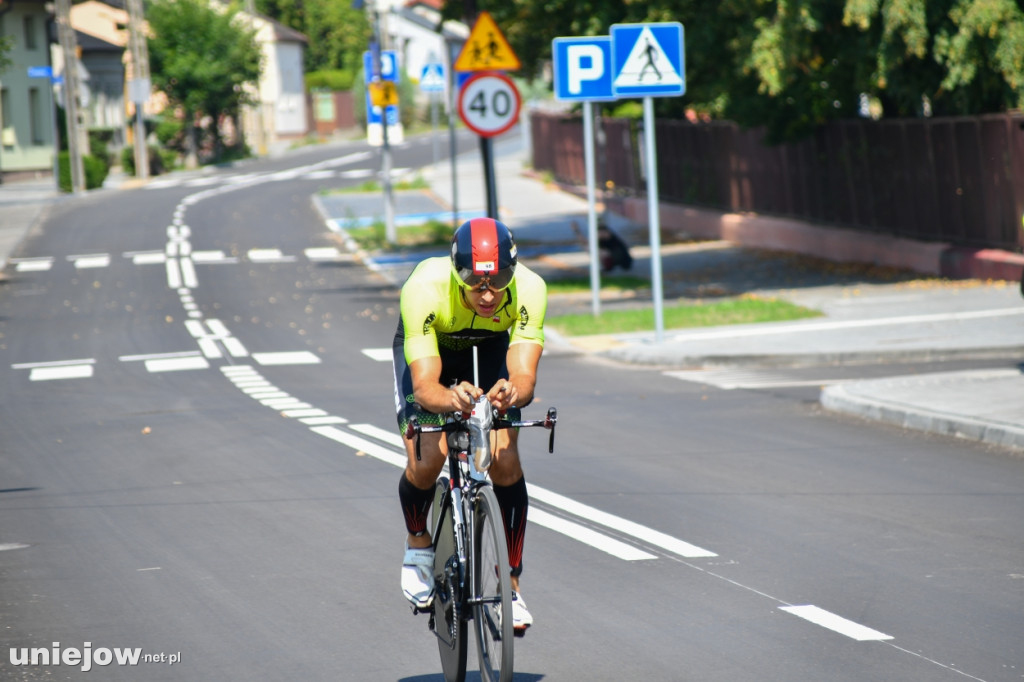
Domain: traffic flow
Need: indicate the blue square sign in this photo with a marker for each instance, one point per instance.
(583, 68)
(648, 60)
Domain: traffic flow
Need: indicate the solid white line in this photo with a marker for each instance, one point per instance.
(570, 506)
(654, 537)
(53, 363)
(361, 445)
(158, 356)
(62, 372)
(588, 536)
(379, 354)
(847, 324)
(176, 364)
(836, 623)
(300, 357)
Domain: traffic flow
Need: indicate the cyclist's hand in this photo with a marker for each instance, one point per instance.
(503, 395)
(463, 395)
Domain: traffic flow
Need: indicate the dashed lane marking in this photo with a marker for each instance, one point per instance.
(379, 354)
(836, 623)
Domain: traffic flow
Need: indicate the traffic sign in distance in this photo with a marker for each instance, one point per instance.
(489, 103)
(486, 49)
(383, 93)
(648, 60)
(432, 78)
(583, 68)
(388, 65)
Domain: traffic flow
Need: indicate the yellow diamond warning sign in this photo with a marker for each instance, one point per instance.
(486, 49)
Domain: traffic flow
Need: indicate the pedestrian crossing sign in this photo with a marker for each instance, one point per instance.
(648, 60)
(432, 78)
(486, 49)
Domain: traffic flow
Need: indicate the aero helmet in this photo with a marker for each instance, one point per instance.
(483, 250)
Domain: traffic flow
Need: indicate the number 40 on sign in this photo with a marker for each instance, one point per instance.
(489, 103)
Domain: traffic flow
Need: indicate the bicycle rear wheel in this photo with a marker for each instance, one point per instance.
(492, 614)
(449, 624)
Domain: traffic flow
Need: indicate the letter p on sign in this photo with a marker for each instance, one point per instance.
(583, 68)
(586, 63)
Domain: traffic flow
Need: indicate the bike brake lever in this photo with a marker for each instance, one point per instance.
(413, 429)
(549, 422)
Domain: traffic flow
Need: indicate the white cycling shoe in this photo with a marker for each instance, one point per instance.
(418, 576)
(521, 618)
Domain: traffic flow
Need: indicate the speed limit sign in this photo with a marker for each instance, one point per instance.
(489, 103)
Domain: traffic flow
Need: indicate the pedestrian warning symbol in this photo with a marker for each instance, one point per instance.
(648, 59)
(486, 49)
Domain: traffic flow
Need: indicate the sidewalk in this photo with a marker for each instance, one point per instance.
(871, 315)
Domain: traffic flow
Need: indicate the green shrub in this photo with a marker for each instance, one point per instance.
(160, 160)
(330, 79)
(95, 171)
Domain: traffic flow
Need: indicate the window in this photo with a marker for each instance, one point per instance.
(35, 114)
(30, 32)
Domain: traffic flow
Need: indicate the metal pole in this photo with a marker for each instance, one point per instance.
(69, 47)
(139, 85)
(452, 146)
(653, 218)
(389, 199)
(487, 157)
(588, 162)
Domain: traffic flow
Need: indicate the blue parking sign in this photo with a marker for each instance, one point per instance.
(388, 65)
(583, 68)
(648, 60)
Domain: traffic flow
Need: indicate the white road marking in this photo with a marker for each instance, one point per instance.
(173, 273)
(177, 364)
(158, 356)
(321, 421)
(212, 257)
(356, 173)
(379, 354)
(565, 504)
(53, 363)
(787, 328)
(729, 379)
(836, 623)
(322, 253)
(588, 536)
(300, 357)
(264, 394)
(361, 444)
(308, 412)
(62, 372)
(100, 260)
(269, 256)
(188, 273)
(147, 257)
(319, 175)
(32, 264)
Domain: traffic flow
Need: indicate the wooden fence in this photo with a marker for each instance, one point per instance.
(953, 180)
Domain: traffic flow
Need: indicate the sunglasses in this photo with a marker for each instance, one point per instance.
(497, 281)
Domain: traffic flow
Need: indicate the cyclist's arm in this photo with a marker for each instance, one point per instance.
(434, 396)
(522, 361)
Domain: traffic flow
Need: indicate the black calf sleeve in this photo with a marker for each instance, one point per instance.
(514, 502)
(415, 505)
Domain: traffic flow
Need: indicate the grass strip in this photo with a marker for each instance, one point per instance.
(743, 310)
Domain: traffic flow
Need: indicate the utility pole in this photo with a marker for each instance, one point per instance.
(69, 48)
(139, 85)
(389, 200)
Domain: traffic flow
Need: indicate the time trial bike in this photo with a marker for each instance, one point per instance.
(471, 571)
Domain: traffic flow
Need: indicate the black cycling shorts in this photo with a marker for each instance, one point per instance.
(456, 366)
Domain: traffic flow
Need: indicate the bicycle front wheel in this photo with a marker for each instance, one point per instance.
(492, 611)
(449, 622)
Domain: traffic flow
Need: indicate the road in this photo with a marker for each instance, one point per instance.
(198, 462)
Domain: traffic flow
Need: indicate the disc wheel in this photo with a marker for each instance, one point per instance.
(449, 625)
(492, 615)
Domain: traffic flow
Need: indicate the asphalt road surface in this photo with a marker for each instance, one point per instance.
(198, 466)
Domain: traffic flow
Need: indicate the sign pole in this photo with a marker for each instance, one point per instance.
(487, 157)
(588, 162)
(653, 217)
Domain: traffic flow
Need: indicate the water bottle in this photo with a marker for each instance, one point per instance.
(480, 433)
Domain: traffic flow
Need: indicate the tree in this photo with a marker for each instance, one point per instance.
(6, 45)
(338, 34)
(204, 58)
(792, 65)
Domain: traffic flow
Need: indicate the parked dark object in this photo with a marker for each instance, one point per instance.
(613, 250)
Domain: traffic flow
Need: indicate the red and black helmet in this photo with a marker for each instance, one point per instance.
(483, 250)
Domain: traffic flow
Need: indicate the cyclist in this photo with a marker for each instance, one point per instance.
(479, 296)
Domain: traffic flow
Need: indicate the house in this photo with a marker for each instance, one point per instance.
(282, 88)
(26, 100)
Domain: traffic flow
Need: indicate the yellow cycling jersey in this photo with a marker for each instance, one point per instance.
(434, 313)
